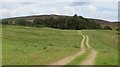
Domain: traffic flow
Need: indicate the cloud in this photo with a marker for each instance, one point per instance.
(106, 5)
(96, 0)
(82, 0)
(13, 0)
(16, 9)
(10, 5)
(26, 3)
(36, 1)
(60, 0)
(105, 0)
(68, 10)
(109, 14)
(5, 13)
(79, 3)
(92, 9)
(54, 11)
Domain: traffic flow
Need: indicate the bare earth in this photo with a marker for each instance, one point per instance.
(88, 61)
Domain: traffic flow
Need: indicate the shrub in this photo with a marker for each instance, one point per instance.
(107, 28)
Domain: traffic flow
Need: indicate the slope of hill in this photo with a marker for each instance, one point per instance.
(37, 17)
(103, 23)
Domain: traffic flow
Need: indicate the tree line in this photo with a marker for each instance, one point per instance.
(74, 22)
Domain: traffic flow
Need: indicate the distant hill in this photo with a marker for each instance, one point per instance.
(113, 25)
(37, 17)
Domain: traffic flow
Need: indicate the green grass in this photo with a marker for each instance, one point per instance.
(0, 45)
(106, 43)
(35, 46)
(85, 45)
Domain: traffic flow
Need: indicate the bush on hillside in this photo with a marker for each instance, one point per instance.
(107, 28)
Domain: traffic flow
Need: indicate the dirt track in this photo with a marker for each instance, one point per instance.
(87, 61)
(70, 58)
(91, 58)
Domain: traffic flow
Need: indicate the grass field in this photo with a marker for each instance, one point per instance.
(106, 43)
(0, 45)
(28, 45)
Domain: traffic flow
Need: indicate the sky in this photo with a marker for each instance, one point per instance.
(98, 9)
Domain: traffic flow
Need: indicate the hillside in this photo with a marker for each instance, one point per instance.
(103, 23)
(37, 17)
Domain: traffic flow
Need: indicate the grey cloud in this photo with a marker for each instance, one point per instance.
(79, 3)
(26, 3)
(13, 5)
(10, 5)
